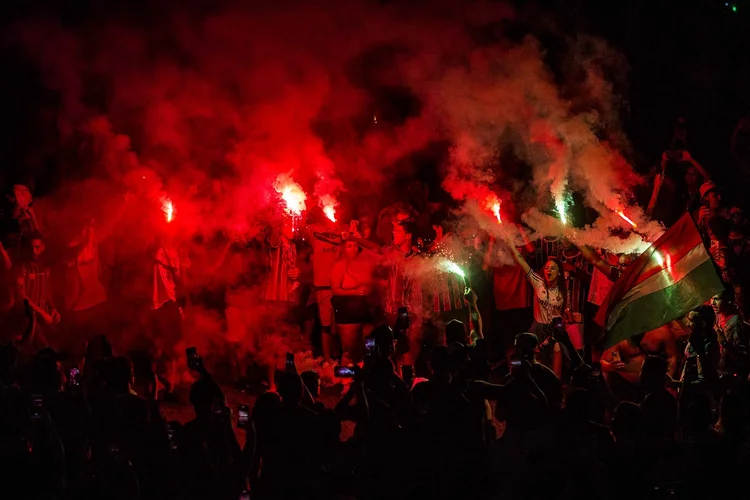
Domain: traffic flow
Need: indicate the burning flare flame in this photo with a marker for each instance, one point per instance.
(452, 267)
(167, 208)
(560, 206)
(496, 211)
(492, 203)
(292, 194)
(329, 204)
(626, 218)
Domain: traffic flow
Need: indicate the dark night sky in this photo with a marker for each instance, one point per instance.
(686, 59)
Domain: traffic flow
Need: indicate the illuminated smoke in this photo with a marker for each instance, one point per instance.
(452, 267)
(229, 110)
(329, 204)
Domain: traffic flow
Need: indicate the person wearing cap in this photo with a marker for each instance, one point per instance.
(711, 204)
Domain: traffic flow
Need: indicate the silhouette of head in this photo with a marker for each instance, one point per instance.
(455, 331)
(204, 394)
(290, 389)
(118, 375)
(653, 374)
(312, 382)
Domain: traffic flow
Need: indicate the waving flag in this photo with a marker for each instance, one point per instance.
(672, 277)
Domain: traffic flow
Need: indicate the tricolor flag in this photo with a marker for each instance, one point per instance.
(674, 276)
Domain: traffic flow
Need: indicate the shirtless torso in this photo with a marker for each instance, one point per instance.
(626, 357)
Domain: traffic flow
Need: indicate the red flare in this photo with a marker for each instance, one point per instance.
(291, 193)
(330, 212)
(492, 203)
(168, 209)
(496, 211)
(626, 218)
(329, 204)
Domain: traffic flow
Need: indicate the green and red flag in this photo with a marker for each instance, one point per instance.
(672, 277)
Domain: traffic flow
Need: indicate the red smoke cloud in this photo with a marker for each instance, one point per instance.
(215, 105)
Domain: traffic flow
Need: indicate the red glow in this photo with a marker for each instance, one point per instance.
(626, 218)
(291, 193)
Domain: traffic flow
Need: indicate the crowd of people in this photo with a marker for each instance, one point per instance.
(464, 375)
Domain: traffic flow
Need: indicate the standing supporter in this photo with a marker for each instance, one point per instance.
(712, 205)
(308, 308)
(513, 311)
(444, 290)
(400, 288)
(549, 304)
(280, 296)
(325, 239)
(27, 223)
(404, 290)
(85, 295)
(352, 283)
(166, 314)
(241, 269)
(732, 335)
(33, 285)
(577, 275)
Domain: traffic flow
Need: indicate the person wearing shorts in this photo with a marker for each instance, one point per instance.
(326, 242)
(352, 284)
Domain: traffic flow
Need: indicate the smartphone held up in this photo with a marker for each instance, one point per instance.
(344, 371)
(243, 416)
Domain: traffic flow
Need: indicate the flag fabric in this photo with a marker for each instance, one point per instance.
(672, 277)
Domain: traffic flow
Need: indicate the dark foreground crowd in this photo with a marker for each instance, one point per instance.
(100, 432)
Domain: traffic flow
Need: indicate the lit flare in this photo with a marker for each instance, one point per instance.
(626, 218)
(168, 209)
(329, 204)
(496, 211)
(292, 194)
(560, 207)
(452, 267)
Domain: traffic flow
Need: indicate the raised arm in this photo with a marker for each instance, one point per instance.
(517, 256)
(5, 257)
(670, 349)
(369, 245)
(688, 158)
(475, 318)
(593, 258)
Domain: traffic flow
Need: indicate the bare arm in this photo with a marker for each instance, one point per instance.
(369, 245)
(688, 158)
(528, 245)
(21, 291)
(475, 318)
(31, 324)
(5, 258)
(592, 257)
(658, 181)
(671, 350)
(518, 257)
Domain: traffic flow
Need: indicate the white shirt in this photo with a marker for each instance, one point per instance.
(548, 302)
